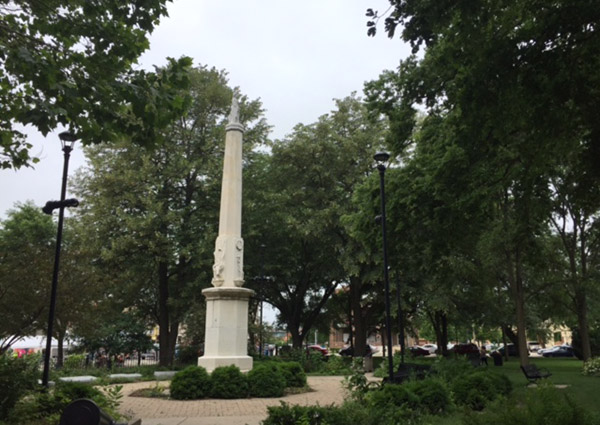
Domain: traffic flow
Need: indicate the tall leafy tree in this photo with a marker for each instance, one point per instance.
(70, 63)
(153, 214)
(516, 83)
(27, 238)
(307, 186)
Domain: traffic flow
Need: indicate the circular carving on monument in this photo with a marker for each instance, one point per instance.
(239, 244)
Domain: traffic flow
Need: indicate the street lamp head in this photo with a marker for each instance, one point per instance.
(381, 157)
(67, 139)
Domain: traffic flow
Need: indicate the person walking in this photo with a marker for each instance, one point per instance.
(483, 356)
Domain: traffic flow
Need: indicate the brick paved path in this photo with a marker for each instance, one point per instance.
(326, 390)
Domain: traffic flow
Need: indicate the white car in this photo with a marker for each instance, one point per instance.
(432, 348)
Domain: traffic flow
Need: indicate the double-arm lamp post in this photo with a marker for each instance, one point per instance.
(68, 140)
(382, 158)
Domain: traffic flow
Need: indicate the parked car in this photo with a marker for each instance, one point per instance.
(432, 348)
(349, 350)
(417, 351)
(548, 349)
(512, 350)
(318, 349)
(533, 346)
(465, 348)
(560, 351)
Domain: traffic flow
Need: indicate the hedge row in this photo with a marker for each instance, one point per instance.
(265, 380)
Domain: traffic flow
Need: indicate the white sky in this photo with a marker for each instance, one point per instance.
(297, 56)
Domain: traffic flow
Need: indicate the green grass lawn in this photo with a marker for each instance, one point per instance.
(584, 390)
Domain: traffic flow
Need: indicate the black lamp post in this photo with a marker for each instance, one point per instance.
(400, 320)
(68, 140)
(381, 158)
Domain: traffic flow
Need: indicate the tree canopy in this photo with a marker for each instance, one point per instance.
(70, 63)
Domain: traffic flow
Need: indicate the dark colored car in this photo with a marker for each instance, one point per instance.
(512, 350)
(349, 351)
(561, 351)
(417, 351)
(466, 348)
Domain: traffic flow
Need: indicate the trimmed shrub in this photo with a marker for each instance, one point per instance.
(17, 376)
(228, 382)
(266, 380)
(433, 395)
(391, 395)
(478, 388)
(501, 383)
(349, 413)
(293, 373)
(191, 383)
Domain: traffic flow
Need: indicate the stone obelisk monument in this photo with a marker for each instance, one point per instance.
(226, 340)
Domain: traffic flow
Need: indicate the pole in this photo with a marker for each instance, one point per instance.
(67, 150)
(381, 168)
(400, 320)
(260, 331)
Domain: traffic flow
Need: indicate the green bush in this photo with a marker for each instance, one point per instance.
(228, 382)
(336, 365)
(543, 405)
(592, 367)
(310, 361)
(393, 396)
(17, 376)
(349, 413)
(501, 383)
(433, 395)
(74, 361)
(293, 373)
(266, 380)
(478, 388)
(191, 383)
(451, 369)
(46, 407)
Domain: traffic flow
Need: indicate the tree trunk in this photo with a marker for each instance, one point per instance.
(60, 356)
(164, 339)
(516, 283)
(582, 322)
(439, 321)
(360, 332)
(297, 336)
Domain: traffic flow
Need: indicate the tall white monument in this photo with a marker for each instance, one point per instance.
(226, 340)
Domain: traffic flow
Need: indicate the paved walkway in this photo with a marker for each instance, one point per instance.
(327, 390)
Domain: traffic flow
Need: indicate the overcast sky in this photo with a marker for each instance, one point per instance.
(296, 56)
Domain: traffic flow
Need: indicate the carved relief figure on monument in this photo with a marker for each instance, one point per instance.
(239, 256)
(219, 265)
(234, 114)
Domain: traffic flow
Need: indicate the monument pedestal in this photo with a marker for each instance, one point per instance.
(226, 340)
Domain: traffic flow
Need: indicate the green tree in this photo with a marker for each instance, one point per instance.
(152, 214)
(27, 240)
(123, 334)
(516, 84)
(69, 63)
(295, 200)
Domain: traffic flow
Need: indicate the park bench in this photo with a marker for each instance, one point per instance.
(406, 371)
(533, 373)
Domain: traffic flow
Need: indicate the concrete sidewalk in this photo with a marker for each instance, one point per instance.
(327, 390)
